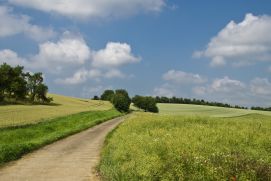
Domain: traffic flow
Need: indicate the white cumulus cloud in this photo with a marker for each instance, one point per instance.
(83, 75)
(241, 43)
(181, 77)
(69, 50)
(114, 55)
(12, 24)
(83, 9)
(227, 85)
(12, 58)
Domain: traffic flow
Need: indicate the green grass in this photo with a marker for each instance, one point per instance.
(14, 115)
(17, 141)
(188, 109)
(164, 147)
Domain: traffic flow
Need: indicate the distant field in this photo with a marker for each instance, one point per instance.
(12, 115)
(188, 109)
(163, 147)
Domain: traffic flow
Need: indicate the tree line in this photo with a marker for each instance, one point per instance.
(261, 108)
(176, 100)
(17, 85)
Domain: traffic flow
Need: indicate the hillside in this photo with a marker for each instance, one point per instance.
(188, 109)
(12, 115)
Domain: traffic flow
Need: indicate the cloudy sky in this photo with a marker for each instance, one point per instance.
(215, 50)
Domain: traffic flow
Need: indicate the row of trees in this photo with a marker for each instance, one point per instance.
(119, 98)
(261, 108)
(16, 85)
(175, 100)
(121, 101)
(148, 104)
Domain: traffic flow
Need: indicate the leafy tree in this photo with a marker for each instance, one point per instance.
(107, 95)
(41, 91)
(121, 103)
(17, 87)
(4, 79)
(14, 83)
(34, 81)
(121, 100)
(125, 94)
(148, 104)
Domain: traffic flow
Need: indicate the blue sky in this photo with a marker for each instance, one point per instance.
(215, 50)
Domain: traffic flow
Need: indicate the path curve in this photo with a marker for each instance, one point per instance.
(72, 158)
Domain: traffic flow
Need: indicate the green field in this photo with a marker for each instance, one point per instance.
(13, 115)
(214, 144)
(17, 141)
(188, 109)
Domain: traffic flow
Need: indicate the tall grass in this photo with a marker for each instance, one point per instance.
(16, 141)
(155, 147)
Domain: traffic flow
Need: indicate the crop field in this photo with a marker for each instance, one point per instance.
(188, 109)
(185, 147)
(14, 115)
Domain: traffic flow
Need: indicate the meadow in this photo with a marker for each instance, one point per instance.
(188, 109)
(19, 140)
(14, 115)
(196, 143)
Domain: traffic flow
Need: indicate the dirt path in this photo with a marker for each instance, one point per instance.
(73, 158)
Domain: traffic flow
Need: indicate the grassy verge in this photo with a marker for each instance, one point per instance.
(17, 141)
(155, 147)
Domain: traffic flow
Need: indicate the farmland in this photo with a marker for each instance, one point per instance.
(14, 115)
(187, 142)
(188, 109)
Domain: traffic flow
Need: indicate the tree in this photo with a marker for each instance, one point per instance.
(148, 104)
(125, 94)
(107, 95)
(41, 91)
(4, 79)
(17, 87)
(34, 81)
(121, 103)
(14, 83)
(121, 100)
